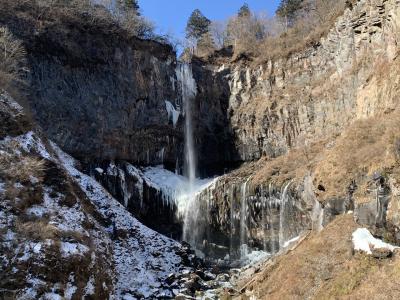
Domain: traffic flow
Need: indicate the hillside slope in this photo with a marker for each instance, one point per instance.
(62, 235)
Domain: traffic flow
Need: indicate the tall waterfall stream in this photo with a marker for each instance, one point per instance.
(193, 205)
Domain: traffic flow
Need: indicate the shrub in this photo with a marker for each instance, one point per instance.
(12, 58)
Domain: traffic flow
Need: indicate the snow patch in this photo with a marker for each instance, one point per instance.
(255, 257)
(364, 241)
(71, 289)
(37, 211)
(30, 142)
(68, 249)
(89, 288)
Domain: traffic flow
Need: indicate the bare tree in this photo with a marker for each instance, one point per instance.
(12, 57)
(219, 33)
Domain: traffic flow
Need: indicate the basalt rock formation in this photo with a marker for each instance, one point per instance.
(96, 90)
(323, 119)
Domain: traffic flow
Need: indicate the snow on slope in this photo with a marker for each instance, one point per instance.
(140, 258)
(364, 241)
(64, 227)
(143, 258)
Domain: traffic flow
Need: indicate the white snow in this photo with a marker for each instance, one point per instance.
(99, 170)
(173, 114)
(30, 142)
(174, 188)
(36, 248)
(51, 296)
(71, 288)
(37, 211)
(89, 288)
(364, 241)
(31, 292)
(68, 249)
(256, 256)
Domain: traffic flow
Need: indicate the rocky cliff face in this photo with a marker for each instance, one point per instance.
(320, 119)
(315, 94)
(97, 91)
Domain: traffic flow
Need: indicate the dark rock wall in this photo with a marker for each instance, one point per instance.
(212, 130)
(97, 91)
(146, 202)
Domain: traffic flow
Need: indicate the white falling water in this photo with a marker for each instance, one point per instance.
(283, 214)
(243, 221)
(272, 201)
(188, 89)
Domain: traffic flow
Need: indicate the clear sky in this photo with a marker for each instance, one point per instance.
(170, 16)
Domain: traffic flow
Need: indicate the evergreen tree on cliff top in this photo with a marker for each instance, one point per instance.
(288, 9)
(197, 25)
(244, 11)
(129, 6)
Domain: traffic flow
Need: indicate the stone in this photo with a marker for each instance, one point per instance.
(381, 253)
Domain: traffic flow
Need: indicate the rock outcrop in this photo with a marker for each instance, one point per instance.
(96, 90)
(316, 93)
(321, 118)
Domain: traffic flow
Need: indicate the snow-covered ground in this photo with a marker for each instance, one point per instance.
(140, 258)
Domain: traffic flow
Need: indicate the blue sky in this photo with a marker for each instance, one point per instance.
(170, 16)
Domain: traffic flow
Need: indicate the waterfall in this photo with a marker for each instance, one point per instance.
(243, 221)
(188, 89)
(284, 210)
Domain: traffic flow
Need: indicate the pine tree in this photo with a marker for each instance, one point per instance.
(197, 25)
(288, 9)
(205, 44)
(244, 11)
(129, 6)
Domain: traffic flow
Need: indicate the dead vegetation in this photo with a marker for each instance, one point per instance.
(26, 181)
(101, 14)
(367, 147)
(259, 38)
(12, 63)
(324, 266)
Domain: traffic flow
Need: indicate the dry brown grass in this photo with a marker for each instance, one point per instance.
(12, 62)
(21, 168)
(324, 267)
(307, 31)
(83, 12)
(368, 146)
(296, 164)
(39, 230)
